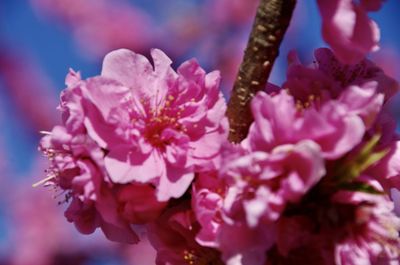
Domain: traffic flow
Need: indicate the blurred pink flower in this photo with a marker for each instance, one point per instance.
(327, 78)
(347, 28)
(100, 26)
(231, 12)
(350, 227)
(227, 59)
(37, 232)
(20, 72)
(157, 125)
(361, 88)
(373, 237)
(361, 74)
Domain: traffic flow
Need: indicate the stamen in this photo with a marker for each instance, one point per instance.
(43, 181)
(189, 257)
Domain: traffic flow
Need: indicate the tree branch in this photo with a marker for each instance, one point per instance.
(271, 22)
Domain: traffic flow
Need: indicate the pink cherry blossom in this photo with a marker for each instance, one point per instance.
(250, 194)
(279, 120)
(158, 126)
(374, 235)
(350, 227)
(147, 128)
(362, 87)
(250, 244)
(330, 103)
(260, 192)
(217, 231)
(359, 74)
(71, 107)
(373, 238)
(76, 168)
(207, 202)
(347, 28)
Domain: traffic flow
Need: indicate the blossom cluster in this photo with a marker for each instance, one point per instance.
(142, 144)
(132, 140)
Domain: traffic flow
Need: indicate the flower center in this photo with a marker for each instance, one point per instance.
(160, 119)
(312, 100)
(206, 257)
(155, 128)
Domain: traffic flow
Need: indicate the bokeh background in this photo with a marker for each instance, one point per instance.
(41, 39)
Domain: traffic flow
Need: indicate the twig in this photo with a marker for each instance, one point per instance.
(271, 21)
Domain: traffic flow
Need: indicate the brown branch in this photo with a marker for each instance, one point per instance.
(271, 21)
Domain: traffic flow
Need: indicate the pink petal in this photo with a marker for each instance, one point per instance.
(131, 69)
(348, 30)
(125, 166)
(105, 93)
(174, 184)
(119, 234)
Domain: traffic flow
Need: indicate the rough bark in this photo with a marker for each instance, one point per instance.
(271, 22)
